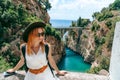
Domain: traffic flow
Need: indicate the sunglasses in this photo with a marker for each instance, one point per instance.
(40, 34)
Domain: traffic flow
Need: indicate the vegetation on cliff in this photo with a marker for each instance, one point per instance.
(104, 23)
(106, 19)
(80, 22)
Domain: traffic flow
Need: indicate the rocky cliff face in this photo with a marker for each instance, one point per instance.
(33, 7)
(82, 44)
(57, 48)
(87, 44)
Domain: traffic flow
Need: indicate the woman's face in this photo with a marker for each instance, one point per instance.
(39, 36)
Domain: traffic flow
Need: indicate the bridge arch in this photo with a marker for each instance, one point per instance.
(75, 30)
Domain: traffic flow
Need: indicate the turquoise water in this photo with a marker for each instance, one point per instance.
(73, 62)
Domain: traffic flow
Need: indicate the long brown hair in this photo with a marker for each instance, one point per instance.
(30, 39)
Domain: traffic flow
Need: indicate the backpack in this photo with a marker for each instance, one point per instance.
(46, 51)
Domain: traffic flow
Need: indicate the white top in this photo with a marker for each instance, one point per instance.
(36, 61)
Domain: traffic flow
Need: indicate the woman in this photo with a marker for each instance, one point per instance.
(35, 56)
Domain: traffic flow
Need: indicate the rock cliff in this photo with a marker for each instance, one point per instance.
(83, 43)
(34, 7)
(58, 48)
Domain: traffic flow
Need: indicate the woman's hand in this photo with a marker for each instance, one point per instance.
(62, 73)
(10, 70)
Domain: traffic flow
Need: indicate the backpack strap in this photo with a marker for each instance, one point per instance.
(23, 52)
(47, 51)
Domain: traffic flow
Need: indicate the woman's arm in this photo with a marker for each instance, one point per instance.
(19, 64)
(53, 64)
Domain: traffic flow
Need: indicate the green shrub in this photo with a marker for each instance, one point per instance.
(95, 15)
(82, 22)
(100, 17)
(115, 5)
(92, 28)
(105, 62)
(3, 64)
(94, 70)
(79, 21)
(109, 38)
(57, 35)
(10, 17)
(31, 18)
(105, 14)
(109, 23)
(95, 26)
(97, 40)
(74, 24)
(102, 40)
(98, 51)
(51, 31)
(85, 22)
(48, 30)
(11, 58)
(85, 36)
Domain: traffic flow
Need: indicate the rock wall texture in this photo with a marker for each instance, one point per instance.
(33, 7)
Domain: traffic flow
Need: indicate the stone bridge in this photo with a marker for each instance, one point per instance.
(73, 31)
(76, 30)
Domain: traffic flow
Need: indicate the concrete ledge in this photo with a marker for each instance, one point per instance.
(83, 76)
(69, 76)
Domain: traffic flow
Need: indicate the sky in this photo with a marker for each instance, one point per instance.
(73, 9)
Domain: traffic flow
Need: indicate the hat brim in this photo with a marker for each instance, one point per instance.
(30, 28)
